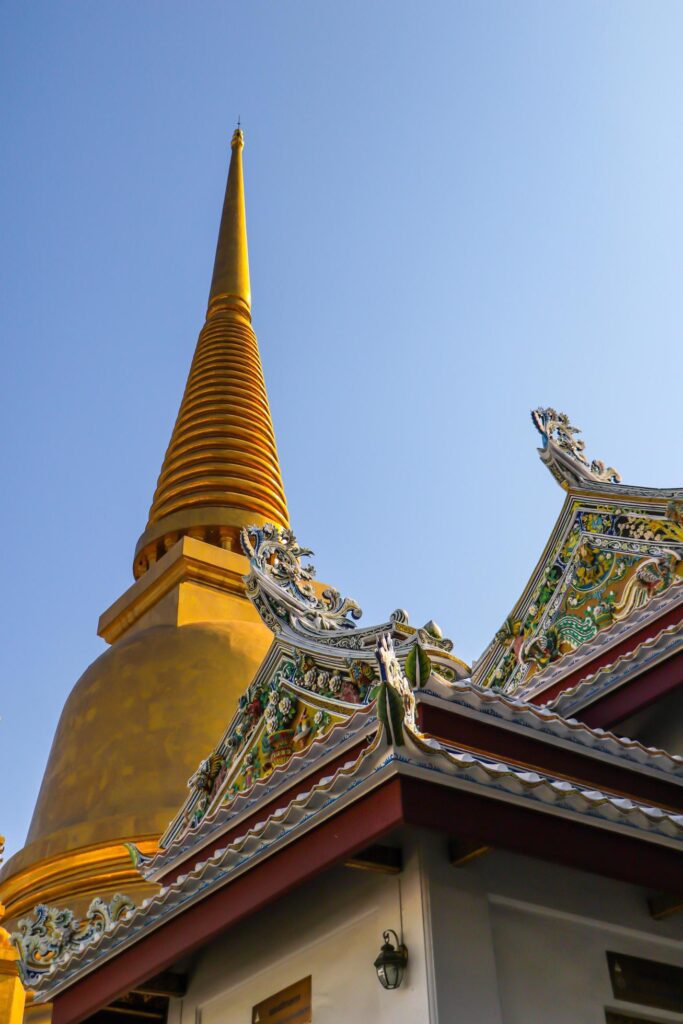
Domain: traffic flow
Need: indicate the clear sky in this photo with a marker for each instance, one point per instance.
(456, 211)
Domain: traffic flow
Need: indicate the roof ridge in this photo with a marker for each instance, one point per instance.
(549, 716)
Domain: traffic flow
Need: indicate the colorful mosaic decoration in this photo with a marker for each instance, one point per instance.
(610, 559)
(319, 670)
(50, 935)
(277, 717)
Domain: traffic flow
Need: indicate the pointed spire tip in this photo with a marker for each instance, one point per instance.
(238, 134)
(230, 287)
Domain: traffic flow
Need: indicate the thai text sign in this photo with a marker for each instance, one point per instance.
(292, 1005)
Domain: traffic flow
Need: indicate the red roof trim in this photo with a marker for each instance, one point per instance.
(536, 752)
(412, 801)
(333, 841)
(547, 836)
(201, 851)
(634, 695)
(608, 657)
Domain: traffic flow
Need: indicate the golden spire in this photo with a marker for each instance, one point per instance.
(221, 469)
(230, 281)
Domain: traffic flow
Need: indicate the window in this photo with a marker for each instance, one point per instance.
(647, 982)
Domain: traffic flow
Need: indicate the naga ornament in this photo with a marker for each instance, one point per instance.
(395, 699)
(280, 585)
(52, 934)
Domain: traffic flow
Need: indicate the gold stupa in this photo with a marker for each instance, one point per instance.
(185, 642)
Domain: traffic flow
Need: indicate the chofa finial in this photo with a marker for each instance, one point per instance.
(563, 450)
(280, 585)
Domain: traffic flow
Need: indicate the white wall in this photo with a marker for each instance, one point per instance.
(503, 940)
(521, 941)
(332, 930)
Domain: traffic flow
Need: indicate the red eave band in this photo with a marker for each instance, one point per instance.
(533, 751)
(608, 657)
(283, 799)
(398, 801)
(634, 695)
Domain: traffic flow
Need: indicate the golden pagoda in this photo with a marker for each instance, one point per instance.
(185, 641)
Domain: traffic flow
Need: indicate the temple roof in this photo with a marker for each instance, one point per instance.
(320, 669)
(613, 563)
(337, 715)
(384, 753)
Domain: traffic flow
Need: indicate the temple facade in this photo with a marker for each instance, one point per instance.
(298, 817)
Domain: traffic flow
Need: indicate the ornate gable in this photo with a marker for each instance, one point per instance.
(320, 670)
(615, 551)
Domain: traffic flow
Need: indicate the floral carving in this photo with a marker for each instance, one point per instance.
(279, 716)
(280, 710)
(352, 688)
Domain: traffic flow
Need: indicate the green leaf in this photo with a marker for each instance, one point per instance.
(418, 667)
(133, 853)
(390, 713)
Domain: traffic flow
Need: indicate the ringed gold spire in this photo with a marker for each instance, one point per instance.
(185, 640)
(221, 469)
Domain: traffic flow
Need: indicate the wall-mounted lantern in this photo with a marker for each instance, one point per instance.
(391, 962)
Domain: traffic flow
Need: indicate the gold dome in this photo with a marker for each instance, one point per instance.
(133, 730)
(144, 714)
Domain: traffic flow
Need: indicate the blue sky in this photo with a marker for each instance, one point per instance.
(456, 210)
